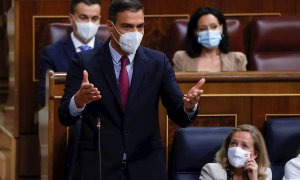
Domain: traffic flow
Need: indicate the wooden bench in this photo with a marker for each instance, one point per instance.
(8, 154)
(53, 136)
(229, 99)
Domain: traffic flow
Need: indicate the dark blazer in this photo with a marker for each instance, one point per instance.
(135, 131)
(56, 57)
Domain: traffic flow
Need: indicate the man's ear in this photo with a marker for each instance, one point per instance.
(71, 19)
(109, 25)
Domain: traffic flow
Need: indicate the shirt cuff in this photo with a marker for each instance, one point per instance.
(74, 110)
(191, 112)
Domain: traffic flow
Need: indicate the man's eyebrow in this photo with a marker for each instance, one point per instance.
(131, 25)
(142, 24)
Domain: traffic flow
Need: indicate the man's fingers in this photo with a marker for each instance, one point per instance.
(200, 83)
(85, 77)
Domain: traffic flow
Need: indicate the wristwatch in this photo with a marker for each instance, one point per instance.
(193, 109)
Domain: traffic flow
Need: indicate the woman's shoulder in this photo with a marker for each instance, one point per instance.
(268, 171)
(213, 171)
(237, 55)
(180, 53)
(234, 61)
(213, 166)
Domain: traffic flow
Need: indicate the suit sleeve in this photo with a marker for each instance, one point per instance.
(206, 173)
(269, 174)
(172, 97)
(72, 85)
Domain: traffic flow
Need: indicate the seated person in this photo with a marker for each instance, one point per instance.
(207, 46)
(243, 155)
(85, 20)
(292, 169)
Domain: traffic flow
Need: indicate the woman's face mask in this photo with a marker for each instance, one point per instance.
(87, 30)
(237, 156)
(130, 41)
(209, 39)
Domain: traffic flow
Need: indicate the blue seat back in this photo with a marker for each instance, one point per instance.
(193, 148)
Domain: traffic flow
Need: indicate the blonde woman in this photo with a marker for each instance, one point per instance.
(243, 155)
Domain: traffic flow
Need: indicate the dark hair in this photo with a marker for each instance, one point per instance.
(123, 5)
(193, 48)
(87, 2)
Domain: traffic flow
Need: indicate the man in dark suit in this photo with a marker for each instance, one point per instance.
(117, 102)
(85, 20)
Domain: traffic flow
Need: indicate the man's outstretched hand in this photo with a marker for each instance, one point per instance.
(192, 97)
(87, 92)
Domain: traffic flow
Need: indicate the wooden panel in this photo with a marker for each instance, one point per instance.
(229, 6)
(8, 149)
(29, 157)
(272, 106)
(297, 8)
(53, 135)
(58, 137)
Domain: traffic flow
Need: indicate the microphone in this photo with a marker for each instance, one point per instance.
(99, 145)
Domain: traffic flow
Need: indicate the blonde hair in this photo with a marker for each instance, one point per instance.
(262, 159)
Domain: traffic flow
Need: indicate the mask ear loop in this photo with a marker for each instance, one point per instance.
(117, 32)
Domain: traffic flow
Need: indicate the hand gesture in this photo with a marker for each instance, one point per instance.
(251, 167)
(87, 92)
(192, 97)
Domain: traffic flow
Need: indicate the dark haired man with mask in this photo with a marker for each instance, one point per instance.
(85, 19)
(115, 90)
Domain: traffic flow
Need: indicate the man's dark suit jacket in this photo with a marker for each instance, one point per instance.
(135, 131)
(56, 57)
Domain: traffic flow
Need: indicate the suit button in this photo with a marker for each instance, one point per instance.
(126, 133)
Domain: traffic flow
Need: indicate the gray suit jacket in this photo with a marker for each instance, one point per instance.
(214, 171)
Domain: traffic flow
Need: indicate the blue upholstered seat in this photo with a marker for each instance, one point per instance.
(193, 148)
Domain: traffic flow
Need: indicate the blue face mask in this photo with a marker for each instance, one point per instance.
(209, 39)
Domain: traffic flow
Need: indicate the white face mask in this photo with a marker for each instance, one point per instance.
(237, 156)
(130, 41)
(86, 31)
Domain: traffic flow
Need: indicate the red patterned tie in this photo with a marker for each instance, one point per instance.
(124, 81)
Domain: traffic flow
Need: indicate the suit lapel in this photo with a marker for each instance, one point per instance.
(106, 65)
(97, 43)
(138, 75)
(69, 47)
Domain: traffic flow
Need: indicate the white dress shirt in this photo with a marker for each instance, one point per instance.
(292, 169)
(77, 43)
